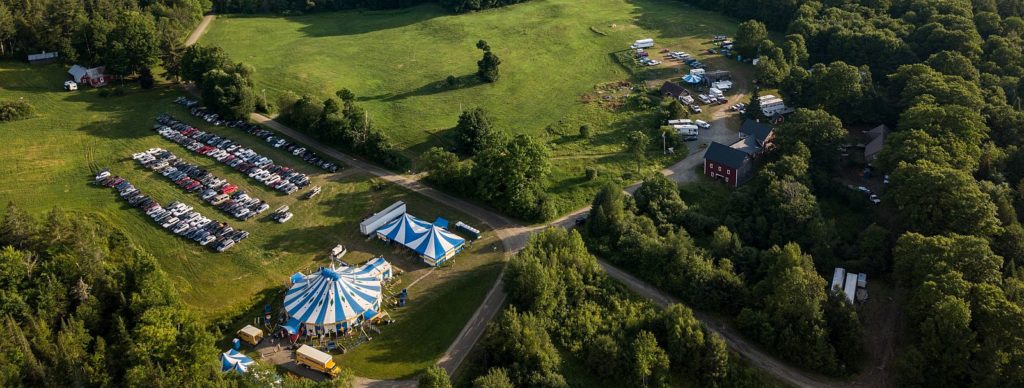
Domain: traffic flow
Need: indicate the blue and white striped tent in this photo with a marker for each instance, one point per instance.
(336, 299)
(232, 360)
(437, 245)
(692, 79)
(404, 229)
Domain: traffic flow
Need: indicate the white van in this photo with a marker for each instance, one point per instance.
(702, 124)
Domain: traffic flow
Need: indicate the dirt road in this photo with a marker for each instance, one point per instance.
(514, 237)
(200, 29)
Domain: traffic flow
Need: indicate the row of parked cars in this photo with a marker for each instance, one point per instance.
(215, 191)
(224, 150)
(176, 217)
(270, 137)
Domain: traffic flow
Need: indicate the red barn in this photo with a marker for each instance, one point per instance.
(728, 164)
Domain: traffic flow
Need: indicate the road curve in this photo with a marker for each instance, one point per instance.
(514, 237)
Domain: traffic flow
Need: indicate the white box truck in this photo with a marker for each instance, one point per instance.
(377, 220)
(837, 278)
(850, 288)
(642, 43)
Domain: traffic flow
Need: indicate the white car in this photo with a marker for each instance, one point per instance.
(702, 124)
(70, 86)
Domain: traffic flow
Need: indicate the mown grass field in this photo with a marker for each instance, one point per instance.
(47, 161)
(553, 52)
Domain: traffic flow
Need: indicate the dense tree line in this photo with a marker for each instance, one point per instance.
(947, 77)
(126, 36)
(505, 171)
(226, 87)
(82, 306)
(301, 6)
(342, 124)
(776, 294)
(561, 299)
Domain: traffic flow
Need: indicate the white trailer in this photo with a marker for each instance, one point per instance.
(680, 122)
(642, 43)
(837, 278)
(686, 130)
(377, 220)
(850, 288)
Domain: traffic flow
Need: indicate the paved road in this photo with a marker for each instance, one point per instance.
(514, 237)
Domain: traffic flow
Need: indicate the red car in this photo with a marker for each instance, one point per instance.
(229, 189)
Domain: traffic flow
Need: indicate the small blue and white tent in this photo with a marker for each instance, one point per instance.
(232, 360)
(692, 79)
(404, 229)
(336, 299)
(438, 245)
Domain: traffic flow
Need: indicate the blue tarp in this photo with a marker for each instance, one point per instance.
(441, 222)
(232, 360)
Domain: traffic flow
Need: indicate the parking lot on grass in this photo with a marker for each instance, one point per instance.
(50, 159)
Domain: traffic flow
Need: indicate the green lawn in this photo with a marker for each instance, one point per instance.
(48, 161)
(553, 53)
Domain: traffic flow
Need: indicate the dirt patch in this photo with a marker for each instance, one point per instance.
(882, 316)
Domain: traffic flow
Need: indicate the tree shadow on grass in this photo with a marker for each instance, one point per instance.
(435, 87)
(362, 21)
(304, 240)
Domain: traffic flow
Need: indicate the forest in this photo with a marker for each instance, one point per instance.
(127, 36)
(946, 76)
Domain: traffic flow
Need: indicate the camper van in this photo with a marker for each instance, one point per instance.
(642, 43)
(316, 360)
(686, 130)
(251, 334)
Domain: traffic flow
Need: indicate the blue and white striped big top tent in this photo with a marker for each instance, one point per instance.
(232, 360)
(433, 243)
(404, 229)
(437, 245)
(336, 299)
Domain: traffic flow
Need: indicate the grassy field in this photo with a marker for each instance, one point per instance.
(48, 161)
(554, 52)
